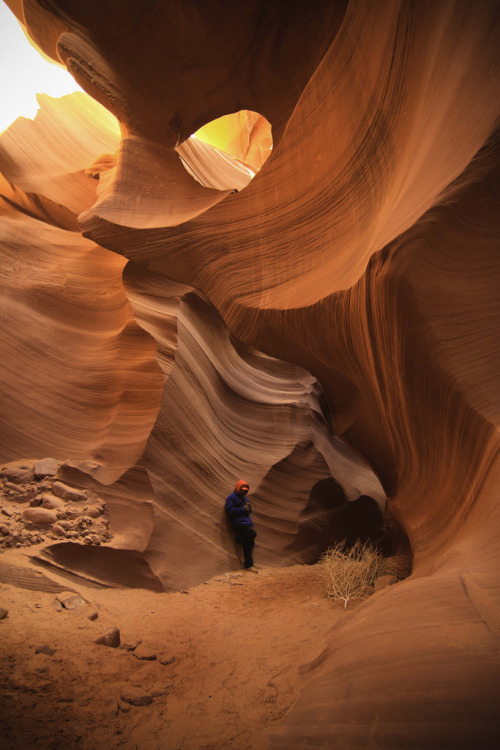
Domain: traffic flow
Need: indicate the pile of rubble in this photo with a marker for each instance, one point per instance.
(36, 507)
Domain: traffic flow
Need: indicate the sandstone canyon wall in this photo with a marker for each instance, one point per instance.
(332, 325)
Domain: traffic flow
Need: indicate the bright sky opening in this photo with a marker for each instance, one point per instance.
(24, 73)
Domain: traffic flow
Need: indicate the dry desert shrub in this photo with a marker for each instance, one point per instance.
(350, 573)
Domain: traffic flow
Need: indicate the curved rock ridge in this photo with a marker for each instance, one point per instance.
(74, 130)
(419, 95)
(229, 410)
(72, 352)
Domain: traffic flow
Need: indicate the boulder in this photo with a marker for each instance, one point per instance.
(68, 493)
(41, 516)
(111, 638)
(47, 467)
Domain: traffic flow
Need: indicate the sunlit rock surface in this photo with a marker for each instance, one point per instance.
(334, 322)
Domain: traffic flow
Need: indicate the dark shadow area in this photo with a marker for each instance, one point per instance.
(362, 520)
(330, 518)
(318, 521)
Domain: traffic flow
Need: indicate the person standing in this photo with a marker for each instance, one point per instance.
(239, 509)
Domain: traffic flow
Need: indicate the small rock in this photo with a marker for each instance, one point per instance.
(66, 525)
(52, 502)
(56, 605)
(130, 646)
(94, 512)
(93, 538)
(42, 516)
(122, 706)
(144, 653)
(45, 649)
(13, 487)
(36, 502)
(4, 529)
(136, 697)
(7, 512)
(70, 600)
(47, 467)
(57, 529)
(383, 582)
(166, 659)
(68, 493)
(111, 638)
(3, 613)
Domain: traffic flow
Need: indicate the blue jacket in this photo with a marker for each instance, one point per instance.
(236, 512)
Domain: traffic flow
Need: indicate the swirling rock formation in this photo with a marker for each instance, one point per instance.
(333, 325)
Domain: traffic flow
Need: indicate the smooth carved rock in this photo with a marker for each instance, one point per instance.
(382, 582)
(41, 516)
(47, 467)
(68, 493)
(111, 638)
(371, 238)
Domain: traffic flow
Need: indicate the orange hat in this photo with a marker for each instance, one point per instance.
(240, 484)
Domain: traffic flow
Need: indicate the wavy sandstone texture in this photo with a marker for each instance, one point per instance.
(328, 332)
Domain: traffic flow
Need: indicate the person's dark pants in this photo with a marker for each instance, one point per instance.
(245, 535)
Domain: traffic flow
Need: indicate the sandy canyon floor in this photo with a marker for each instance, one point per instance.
(238, 641)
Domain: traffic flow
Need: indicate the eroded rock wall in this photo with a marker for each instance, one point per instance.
(335, 321)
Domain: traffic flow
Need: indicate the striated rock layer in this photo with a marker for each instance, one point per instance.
(328, 332)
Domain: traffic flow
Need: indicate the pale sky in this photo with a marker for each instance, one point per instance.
(25, 73)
